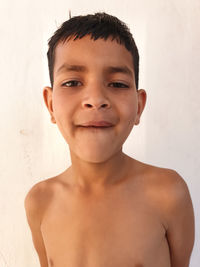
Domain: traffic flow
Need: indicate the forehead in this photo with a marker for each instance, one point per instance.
(99, 53)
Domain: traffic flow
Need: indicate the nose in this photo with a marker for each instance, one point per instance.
(96, 100)
(92, 104)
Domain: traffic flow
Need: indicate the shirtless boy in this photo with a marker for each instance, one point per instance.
(107, 209)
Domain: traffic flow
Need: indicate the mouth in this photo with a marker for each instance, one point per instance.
(95, 127)
(96, 124)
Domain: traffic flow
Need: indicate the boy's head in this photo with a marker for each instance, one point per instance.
(93, 98)
(99, 26)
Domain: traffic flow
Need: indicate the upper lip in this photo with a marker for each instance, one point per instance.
(96, 123)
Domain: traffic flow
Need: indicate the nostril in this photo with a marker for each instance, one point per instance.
(104, 105)
(100, 105)
(88, 105)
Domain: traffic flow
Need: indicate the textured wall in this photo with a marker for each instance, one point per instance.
(168, 35)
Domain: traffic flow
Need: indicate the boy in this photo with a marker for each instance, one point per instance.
(107, 209)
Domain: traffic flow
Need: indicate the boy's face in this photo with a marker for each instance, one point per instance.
(94, 81)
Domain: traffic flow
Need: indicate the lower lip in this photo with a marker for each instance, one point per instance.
(95, 128)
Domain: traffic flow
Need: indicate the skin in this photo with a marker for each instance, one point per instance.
(106, 209)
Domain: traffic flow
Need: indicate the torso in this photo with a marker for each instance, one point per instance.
(121, 227)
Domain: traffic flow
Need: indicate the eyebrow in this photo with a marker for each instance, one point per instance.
(109, 69)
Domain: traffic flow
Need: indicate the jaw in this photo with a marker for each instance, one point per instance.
(98, 145)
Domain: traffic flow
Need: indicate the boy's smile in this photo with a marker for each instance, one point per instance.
(94, 100)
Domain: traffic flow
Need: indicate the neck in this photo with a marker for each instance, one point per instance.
(89, 175)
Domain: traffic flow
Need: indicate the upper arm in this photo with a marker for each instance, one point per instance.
(33, 213)
(180, 221)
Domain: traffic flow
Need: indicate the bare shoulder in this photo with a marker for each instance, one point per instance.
(165, 187)
(177, 201)
(173, 187)
(36, 193)
(170, 191)
(166, 180)
(38, 198)
(36, 201)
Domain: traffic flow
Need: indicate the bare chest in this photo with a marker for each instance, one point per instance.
(111, 232)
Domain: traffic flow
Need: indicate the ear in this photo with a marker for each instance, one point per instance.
(142, 96)
(47, 95)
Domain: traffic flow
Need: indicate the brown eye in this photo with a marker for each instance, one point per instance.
(119, 85)
(72, 83)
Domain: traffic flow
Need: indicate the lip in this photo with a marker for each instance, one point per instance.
(96, 124)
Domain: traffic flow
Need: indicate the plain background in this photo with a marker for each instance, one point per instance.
(167, 34)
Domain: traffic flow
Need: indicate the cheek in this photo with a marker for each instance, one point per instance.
(129, 110)
(62, 108)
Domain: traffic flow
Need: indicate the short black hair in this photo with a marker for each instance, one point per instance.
(100, 25)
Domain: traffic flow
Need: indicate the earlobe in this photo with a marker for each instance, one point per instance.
(137, 121)
(47, 95)
(53, 120)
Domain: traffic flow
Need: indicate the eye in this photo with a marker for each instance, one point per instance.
(118, 85)
(72, 83)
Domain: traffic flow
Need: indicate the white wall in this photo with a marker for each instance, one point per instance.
(167, 34)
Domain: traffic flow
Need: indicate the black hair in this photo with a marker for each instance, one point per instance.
(100, 25)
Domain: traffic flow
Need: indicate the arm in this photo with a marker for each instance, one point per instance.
(180, 232)
(33, 213)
